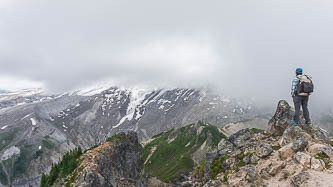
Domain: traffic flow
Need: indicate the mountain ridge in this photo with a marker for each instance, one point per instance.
(49, 128)
(201, 155)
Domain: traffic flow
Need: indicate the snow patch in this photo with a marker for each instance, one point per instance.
(10, 152)
(33, 121)
(26, 116)
(136, 97)
(2, 128)
(157, 97)
(91, 91)
(163, 101)
(20, 93)
(127, 117)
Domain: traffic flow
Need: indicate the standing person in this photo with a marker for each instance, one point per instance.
(301, 89)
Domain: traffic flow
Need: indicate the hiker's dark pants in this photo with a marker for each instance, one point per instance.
(298, 102)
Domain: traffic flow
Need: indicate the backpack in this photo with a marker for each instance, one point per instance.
(305, 85)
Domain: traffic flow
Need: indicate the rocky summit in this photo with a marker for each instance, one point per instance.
(117, 162)
(284, 155)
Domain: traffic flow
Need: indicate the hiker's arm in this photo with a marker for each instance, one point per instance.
(293, 87)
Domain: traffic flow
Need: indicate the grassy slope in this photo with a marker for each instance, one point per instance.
(170, 160)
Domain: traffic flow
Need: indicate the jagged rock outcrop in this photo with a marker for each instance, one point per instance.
(115, 163)
(281, 118)
(285, 155)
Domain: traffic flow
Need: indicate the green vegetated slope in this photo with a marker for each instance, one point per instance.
(62, 169)
(169, 154)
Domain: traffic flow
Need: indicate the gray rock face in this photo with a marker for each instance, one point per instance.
(252, 174)
(291, 133)
(264, 150)
(300, 179)
(299, 143)
(281, 118)
(303, 159)
(224, 147)
(116, 163)
(241, 137)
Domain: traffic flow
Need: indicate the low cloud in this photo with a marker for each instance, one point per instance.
(243, 49)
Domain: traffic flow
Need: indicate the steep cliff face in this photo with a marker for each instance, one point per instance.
(114, 163)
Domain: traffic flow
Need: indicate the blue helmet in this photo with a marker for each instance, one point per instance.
(299, 70)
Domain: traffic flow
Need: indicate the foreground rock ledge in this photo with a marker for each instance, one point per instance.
(115, 163)
(285, 155)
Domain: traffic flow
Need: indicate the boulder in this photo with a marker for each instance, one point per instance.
(303, 159)
(277, 167)
(317, 164)
(320, 134)
(286, 152)
(291, 133)
(300, 179)
(320, 148)
(254, 159)
(281, 118)
(264, 150)
(317, 133)
(251, 174)
(241, 137)
(299, 144)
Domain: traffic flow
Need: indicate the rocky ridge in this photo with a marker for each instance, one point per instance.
(284, 155)
(117, 162)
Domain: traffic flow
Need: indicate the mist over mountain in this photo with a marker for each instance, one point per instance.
(243, 49)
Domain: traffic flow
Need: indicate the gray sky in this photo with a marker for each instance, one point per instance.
(242, 47)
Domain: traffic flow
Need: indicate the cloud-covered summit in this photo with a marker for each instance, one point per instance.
(244, 48)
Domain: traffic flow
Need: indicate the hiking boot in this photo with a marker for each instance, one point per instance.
(293, 123)
(309, 124)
